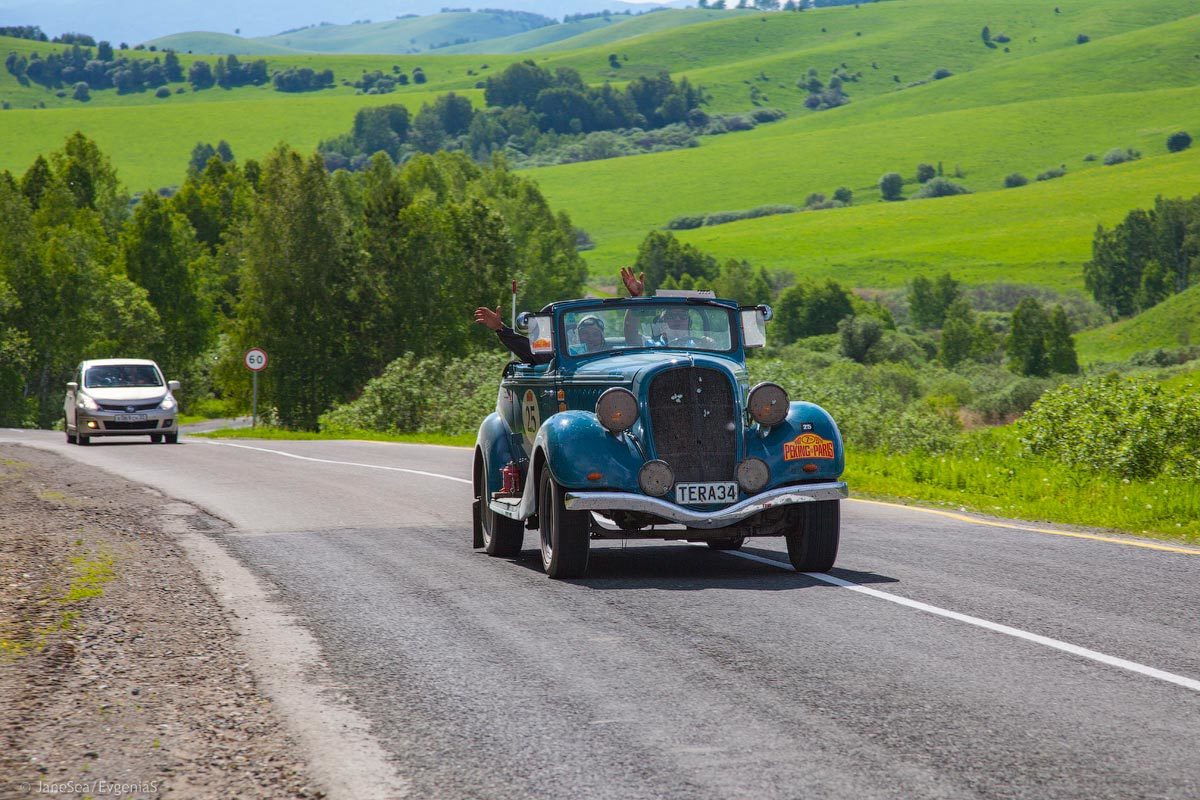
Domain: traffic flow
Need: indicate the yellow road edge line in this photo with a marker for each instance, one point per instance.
(1071, 534)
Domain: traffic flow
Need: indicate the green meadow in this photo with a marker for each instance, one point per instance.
(1037, 101)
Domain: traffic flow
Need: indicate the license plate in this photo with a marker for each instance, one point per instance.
(693, 493)
(129, 418)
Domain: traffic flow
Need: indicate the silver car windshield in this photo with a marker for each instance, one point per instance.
(121, 376)
(648, 324)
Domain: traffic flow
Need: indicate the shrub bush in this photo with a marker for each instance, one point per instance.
(1014, 180)
(1120, 155)
(1082, 38)
(1127, 428)
(410, 396)
(940, 73)
(162, 92)
(685, 223)
(891, 186)
(1052, 173)
(1091, 157)
(1181, 140)
(941, 187)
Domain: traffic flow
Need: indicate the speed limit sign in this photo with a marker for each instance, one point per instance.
(255, 359)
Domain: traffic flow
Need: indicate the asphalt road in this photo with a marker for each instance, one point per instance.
(953, 660)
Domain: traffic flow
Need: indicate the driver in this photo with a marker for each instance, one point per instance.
(676, 321)
(590, 330)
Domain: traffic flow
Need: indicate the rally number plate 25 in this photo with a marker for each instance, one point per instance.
(693, 493)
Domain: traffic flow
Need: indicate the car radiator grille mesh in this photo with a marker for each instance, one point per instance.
(691, 414)
(130, 426)
(135, 406)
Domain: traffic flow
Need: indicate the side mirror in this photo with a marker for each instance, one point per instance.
(754, 326)
(768, 312)
(72, 386)
(541, 331)
(523, 320)
(173, 386)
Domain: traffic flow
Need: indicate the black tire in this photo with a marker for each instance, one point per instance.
(171, 438)
(564, 534)
(71, 437)
(84, 440)
(155, 438)
(727, 544)
(814, 547)
(501, 536)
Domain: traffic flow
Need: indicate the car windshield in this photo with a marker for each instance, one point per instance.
(648, 324)
(121, 376)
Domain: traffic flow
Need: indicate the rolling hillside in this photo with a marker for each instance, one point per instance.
(1039, 100)
(1175, 322)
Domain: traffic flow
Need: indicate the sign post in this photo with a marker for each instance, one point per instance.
(255, 361)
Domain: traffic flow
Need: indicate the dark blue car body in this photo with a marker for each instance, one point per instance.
(567, 470)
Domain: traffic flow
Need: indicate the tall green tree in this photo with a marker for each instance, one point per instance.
(958, 339)
(738, 281)
(1026, 343)
(298, 288)
(92, 181)
(661, 255)
(1060, 344)
(804, 310)
(160, 252)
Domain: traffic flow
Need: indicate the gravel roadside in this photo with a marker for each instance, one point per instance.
(119, 671)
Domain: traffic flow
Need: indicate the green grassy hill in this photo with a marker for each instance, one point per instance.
(222, 44)
(534, 39)
(1037, 101)
(1175, 322)
(407, 35)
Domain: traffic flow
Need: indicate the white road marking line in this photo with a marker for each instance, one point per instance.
(1066, 647)
(342, 463)
(1016, 527)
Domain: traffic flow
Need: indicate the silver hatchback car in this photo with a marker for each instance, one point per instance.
(121, 397)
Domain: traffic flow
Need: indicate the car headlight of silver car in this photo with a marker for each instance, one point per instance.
(167, 404)
(87, 403)
(768, 404)
(617, 410)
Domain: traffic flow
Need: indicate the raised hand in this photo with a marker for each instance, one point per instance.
(491, 319)
(635, 285)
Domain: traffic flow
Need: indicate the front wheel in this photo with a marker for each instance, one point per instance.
(814, 547)
(497, 534)
(171, 438)
(155, 438)
(564, 534)
(71, 437)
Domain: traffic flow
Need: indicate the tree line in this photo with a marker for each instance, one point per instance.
(525, 104)
(942, 325)
(1150, 255)
(334, 275)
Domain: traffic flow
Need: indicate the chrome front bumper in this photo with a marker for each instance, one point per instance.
(628, 501)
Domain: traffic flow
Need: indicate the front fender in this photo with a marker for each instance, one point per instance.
(808, 436)
(495, 443)
(575, 446)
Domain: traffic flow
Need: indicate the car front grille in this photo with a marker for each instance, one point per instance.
(138, 406)
(130, 426)
(691, 414)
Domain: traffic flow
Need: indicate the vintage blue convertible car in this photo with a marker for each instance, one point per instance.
(643, 425)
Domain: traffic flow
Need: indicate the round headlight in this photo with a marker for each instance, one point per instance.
(753, 474)
(617, 410)
(656, 478)
(768, 404)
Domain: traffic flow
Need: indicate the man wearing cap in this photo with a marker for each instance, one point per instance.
(590, 330)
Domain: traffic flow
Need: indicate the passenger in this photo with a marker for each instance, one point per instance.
(517, 344)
